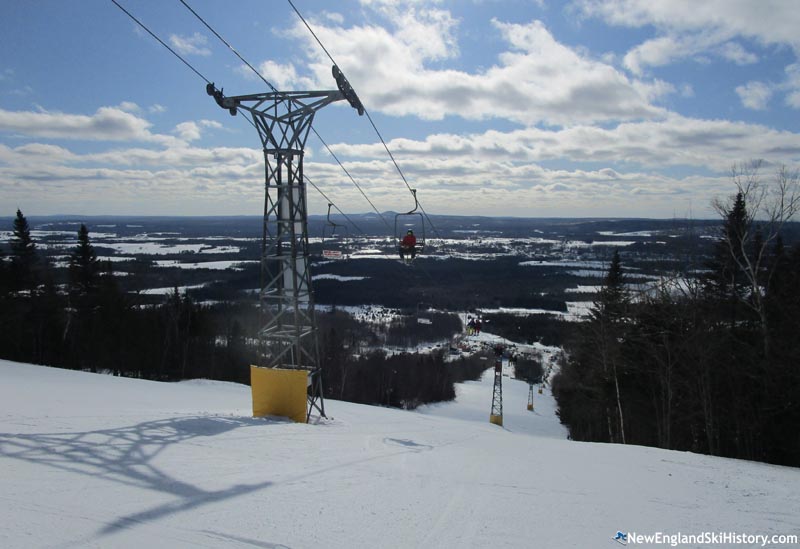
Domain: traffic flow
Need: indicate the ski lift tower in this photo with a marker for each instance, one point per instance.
(496, 416)
(288, 336)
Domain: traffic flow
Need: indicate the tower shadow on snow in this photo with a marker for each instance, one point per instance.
(125, 455)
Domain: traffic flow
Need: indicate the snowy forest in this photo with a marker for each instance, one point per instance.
(710, 366)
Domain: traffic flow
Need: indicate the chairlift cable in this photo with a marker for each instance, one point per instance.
(369, 117)
(160, 41)
(303, 19)
(334, 205)
(274, 89)
(391, 230)
(402, 175)
(230, 47)
(207, 81)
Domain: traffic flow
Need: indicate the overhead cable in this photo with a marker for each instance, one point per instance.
(371, 121)
(274, 89)
(151, 33)
(334, 205)
(198, 73)
(230, 47)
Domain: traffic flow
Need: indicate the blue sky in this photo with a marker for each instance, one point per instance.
(525, 108)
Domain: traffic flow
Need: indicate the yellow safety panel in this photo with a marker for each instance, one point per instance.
(279, 392)
(497, 420)
(530, 407)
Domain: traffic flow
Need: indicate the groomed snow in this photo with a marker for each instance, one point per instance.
(97, 461)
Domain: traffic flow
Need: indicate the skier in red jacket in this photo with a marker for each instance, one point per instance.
(408, 245)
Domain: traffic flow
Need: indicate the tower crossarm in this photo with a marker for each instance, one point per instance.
(298, 103)
(283, 119)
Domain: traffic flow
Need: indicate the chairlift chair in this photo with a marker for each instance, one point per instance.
(403, 220)
(330, 236)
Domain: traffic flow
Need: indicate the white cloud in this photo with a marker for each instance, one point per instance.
(192, 131)
(773, 22)
(673, 141)
(537, 80)
(691, 29)
(282, 76)
(190, 45)
(172, 179)
(157, 109)
(734, 51)
(656, 52)
(754, 95)
(333, 17)
(502, 172)
(667, 49)
(182, 156)
(188, 131)
(498, 188)
(792, 86)
(107, 124)
(34, 154)
(129, 106)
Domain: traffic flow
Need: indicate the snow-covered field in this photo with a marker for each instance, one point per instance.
(171, 289)
(236, 265)
(90, 460)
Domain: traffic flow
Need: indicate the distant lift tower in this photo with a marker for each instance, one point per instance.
(530, 396)
(496, 416)
(288, 336)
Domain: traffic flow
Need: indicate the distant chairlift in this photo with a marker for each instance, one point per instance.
(331, 239)
(414, 221)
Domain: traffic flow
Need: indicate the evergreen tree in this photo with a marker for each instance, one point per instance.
(588, 388)
(725, 281)
(23, 255)
(111, 324)
(613, 295)
(83, 290)
(84, 269)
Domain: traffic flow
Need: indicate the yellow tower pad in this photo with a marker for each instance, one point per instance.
(495, 419)
(279, 392)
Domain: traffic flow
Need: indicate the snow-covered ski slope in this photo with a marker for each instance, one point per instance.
(97, 461)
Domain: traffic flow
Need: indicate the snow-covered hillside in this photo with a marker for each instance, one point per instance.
(97, 461)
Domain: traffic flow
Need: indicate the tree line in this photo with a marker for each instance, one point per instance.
(707, 363)
(84, 320)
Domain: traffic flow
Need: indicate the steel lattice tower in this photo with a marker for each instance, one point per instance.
(496, 416)
(288, 336)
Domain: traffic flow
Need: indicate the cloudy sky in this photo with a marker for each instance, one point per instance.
(491, 107)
